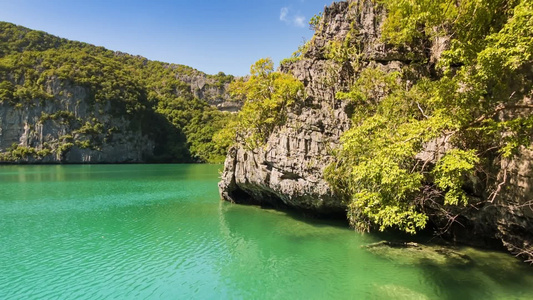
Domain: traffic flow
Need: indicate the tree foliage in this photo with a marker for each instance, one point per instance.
(267, 96)
(478, 108)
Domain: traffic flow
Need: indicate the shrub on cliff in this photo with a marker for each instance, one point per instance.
(267, 95)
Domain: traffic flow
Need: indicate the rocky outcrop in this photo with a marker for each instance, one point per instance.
(70, 128)
(289, 169)
(211, 88)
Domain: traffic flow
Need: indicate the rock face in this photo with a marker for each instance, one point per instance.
(51, 127)
(513, 206)
(64, 101)
(289, 170)
(212, 89)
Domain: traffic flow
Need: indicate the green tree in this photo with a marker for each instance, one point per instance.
(267, 96)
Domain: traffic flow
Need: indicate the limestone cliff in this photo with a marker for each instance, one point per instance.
(212, 88)
(289, 170)
(71, 129)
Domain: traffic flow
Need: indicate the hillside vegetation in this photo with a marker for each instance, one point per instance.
(150, 94)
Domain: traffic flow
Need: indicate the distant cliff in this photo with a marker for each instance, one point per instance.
(69, 102)
(289, 170)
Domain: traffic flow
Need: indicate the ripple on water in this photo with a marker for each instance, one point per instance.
(160, 232)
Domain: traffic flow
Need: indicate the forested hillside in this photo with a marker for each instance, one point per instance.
(67, 101)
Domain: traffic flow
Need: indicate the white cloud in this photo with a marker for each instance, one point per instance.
(295, 20)
(299, 21)
(283, 14)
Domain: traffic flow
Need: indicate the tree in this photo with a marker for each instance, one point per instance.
(267, 96)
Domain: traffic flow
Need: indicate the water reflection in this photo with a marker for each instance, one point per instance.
(277, 249)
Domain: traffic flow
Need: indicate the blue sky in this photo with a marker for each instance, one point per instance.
(210, 36)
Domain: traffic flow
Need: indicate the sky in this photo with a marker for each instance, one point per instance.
(211, 36)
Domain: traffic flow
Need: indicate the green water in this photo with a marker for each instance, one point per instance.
(160, 232)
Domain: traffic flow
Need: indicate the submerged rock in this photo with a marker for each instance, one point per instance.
(414, 253)
(391, 291)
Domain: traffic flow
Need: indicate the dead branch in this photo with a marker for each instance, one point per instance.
(528, 204)
(421, 110)
(527, 253)
(494, 194)
(499, 108)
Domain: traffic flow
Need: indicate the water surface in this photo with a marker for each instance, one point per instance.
(160, 232)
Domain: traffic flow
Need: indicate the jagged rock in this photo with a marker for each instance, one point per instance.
(289, 170)
(207, 88)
